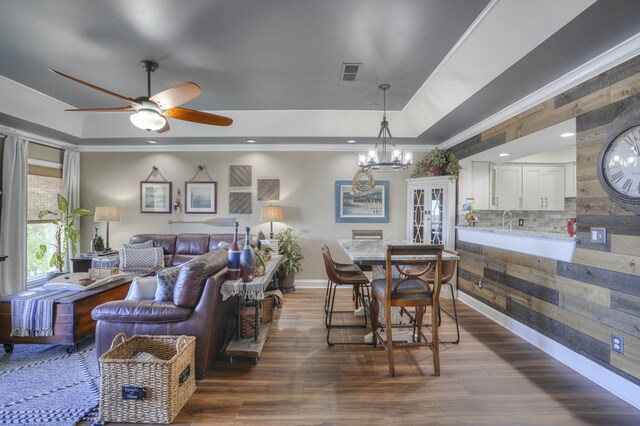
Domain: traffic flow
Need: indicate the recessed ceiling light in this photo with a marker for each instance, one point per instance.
(504, 154)
(351, 141)
(250, 140)
(567, 135)
(152, 141)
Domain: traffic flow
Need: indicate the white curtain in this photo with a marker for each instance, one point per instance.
(71, 189)
(13, 224)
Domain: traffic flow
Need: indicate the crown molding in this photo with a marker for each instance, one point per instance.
(240, 148)
(609, 59)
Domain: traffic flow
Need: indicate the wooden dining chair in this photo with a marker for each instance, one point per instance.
(366, 234)
(409, 290)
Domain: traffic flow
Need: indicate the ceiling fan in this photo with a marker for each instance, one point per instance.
(150, 111)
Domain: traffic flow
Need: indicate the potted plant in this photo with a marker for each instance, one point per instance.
(66, 232)
(437, 163)
(289, 247)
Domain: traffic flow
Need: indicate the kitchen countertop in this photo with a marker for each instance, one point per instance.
(520, 232)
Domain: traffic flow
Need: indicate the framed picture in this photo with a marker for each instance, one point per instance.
(155, 197)
(201, 197)
(370, 206)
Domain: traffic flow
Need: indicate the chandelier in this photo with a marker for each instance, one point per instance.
(382, 157)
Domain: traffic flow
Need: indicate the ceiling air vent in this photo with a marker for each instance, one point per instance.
(349, 72)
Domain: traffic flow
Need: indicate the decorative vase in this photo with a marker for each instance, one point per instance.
(93, 240)
(247, 260)
(233, 257)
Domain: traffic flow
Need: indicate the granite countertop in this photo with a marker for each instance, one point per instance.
(518, 232)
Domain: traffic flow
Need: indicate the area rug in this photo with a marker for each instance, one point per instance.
(44, 385)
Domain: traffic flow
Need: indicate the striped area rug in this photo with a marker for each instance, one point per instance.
(43, 385)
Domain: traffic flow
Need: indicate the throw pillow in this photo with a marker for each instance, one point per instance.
(166, 284)
(141, 258)
(223, 245)
(142, 288)
(146, 244)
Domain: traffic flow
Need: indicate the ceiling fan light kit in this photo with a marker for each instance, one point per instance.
(381, 157)
(151, 111)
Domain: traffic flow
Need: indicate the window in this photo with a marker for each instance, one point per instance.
(43, 185)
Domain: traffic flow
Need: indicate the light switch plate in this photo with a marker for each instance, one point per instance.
(599, 235)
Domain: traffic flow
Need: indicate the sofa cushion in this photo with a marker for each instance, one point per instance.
(166, 241)
(189, 246)
(145, 258)
(140, 311)
(193, 276)
(166, 284)
(146, 244)
(142, 288)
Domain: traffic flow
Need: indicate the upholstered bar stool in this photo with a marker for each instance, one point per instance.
(448, 271)
(337, 278)
(340, 267)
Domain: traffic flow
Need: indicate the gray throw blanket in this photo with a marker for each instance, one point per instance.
(32, 312)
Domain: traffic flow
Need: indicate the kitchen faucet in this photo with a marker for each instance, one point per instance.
(504, 225)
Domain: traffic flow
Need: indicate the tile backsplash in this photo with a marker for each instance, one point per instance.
(543, 221)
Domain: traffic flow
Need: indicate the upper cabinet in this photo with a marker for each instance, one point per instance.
(521, 187)
(543, 187)
(508, 187)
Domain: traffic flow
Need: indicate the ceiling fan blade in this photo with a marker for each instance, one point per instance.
(116, 109)
(197, 116)
(100, 89)
(165, 128)
(176, 95)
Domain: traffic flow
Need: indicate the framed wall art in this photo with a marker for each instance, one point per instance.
(368, 207)
(201, 197)
(155, 197)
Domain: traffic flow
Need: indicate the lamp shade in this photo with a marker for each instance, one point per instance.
(271, 213)
(107, 214)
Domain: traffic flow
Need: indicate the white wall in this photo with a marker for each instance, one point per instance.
(307, 181)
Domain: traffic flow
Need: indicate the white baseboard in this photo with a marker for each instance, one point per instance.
(607, 379)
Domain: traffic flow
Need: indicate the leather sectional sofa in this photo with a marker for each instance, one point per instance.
(197, 308)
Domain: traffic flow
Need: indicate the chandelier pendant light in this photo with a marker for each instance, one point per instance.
(382, 157)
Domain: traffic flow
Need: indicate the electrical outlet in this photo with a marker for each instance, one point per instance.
(520, 222)
(478, 282)
(617, 344)
(599, 235)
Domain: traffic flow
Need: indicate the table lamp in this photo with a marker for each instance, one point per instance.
(107, 214)
(271, 214)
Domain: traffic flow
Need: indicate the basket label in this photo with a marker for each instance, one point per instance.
(185, 374)
(134, 392)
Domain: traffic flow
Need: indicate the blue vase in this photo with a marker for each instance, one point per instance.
(233, 257)
(247, 260)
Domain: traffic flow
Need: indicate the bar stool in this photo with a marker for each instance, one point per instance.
(335, 279)
(448, 270)
(340, 267)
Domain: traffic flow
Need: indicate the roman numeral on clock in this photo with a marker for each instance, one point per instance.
(627, 185)
(617, 176)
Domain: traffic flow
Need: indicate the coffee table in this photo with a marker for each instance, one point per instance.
(72, 320)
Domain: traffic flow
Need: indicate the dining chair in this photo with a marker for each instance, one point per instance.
(448, 271)
(366, 234)
(340, 267)
(337, 278)
(409, 289)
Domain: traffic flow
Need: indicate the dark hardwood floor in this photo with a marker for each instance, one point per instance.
(492, 377)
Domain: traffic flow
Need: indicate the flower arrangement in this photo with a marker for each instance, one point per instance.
(437, 162)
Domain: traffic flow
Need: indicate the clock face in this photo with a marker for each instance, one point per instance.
(620, 164)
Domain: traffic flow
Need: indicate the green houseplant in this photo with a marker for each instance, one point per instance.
(289, 247)
(437, 162)
(66, 232)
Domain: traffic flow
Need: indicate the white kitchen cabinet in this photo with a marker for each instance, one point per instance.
(570, 180)
(508, 187)
(431, 210)
(482, 185)
(543, 187)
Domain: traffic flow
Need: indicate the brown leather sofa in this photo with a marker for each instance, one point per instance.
(197, 308)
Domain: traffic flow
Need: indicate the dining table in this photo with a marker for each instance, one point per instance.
(374, 253)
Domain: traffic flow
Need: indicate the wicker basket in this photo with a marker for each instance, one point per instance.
(153, 387)
(267, 313)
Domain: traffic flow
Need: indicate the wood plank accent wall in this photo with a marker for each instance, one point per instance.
(582, 303)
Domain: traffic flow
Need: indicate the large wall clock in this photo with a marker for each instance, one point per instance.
(619, 163)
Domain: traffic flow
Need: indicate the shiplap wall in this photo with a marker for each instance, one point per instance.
(582, 303)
